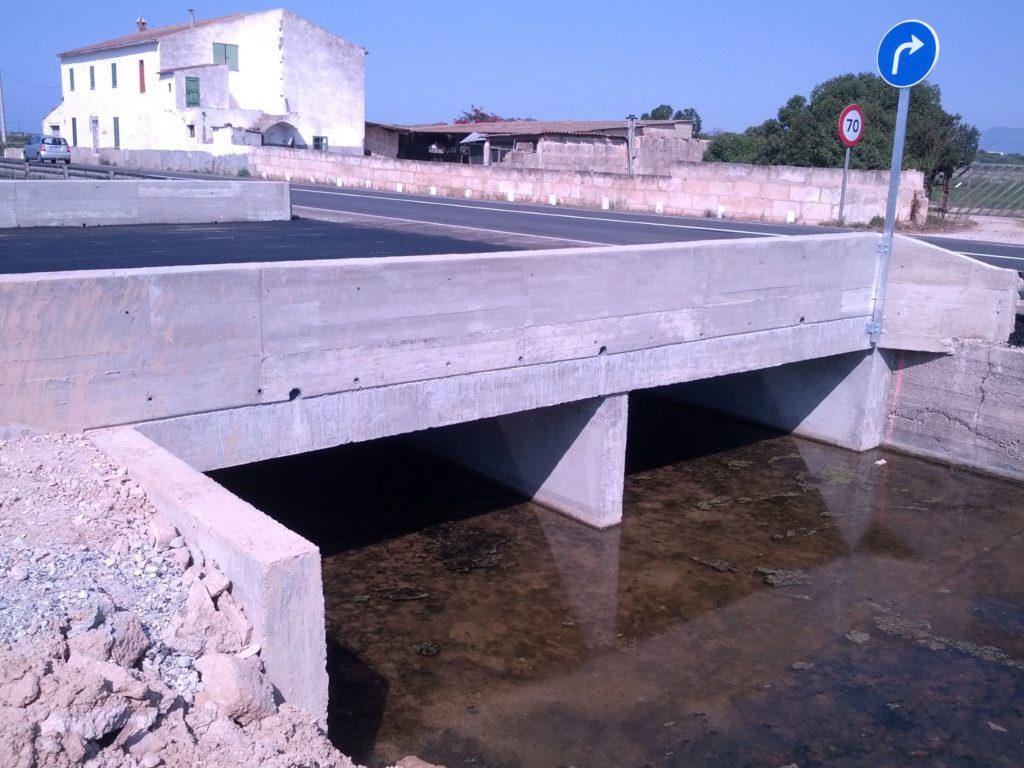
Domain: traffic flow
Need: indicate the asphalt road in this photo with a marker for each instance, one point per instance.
(584, 226)
(370, 224)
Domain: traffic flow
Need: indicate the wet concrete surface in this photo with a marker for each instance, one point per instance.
(767, 601)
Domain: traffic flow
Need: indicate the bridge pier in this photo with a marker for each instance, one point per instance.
(569, 457)
(839, 400)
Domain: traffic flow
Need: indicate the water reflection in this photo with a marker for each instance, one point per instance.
(767, 601)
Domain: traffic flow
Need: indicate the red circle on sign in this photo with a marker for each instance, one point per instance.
(851, 125)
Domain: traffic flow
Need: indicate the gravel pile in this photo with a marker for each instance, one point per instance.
(119, 645)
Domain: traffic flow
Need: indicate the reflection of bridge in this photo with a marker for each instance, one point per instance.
(532, 354)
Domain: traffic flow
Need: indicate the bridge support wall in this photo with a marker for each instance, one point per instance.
(569, 457)
(274, 572)
(840, 400)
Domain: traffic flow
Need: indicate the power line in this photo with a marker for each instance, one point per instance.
(9, 76)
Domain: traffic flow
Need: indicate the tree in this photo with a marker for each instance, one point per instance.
(477, 114)
(804, 131)
(664, 112)
(691, 114)
(660, 112)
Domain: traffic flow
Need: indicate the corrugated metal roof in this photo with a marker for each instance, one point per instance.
(534, 127)
(147, 35)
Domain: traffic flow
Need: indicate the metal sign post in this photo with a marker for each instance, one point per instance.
(904, 59)
(851, 131)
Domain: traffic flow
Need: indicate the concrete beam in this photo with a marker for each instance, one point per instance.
(840, 400)
(229, 437)
(571, 457)
(275, 573)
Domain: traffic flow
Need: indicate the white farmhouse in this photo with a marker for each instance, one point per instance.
(270, 77)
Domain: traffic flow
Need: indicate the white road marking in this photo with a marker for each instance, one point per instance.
(451, 226)
(667, 225)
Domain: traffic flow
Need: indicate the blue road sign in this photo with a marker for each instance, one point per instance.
(908, 53)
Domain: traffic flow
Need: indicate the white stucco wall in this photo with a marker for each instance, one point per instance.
(289, 71)
(134, 109)
(324, 83)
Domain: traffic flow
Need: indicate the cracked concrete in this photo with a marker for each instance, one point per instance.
(966, 408)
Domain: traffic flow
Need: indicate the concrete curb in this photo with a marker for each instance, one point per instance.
(276, 574)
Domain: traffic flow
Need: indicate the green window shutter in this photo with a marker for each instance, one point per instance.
(191, 91)
(232, 57)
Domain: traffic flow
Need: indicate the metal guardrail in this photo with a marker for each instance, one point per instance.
(985, 189)
(20, 170)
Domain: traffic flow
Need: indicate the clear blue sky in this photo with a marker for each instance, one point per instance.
(736, 62)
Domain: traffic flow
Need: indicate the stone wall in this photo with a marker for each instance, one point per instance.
(728, 190)
(966, 408)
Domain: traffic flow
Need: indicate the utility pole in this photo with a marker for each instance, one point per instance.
(3, 119)
(630, 142)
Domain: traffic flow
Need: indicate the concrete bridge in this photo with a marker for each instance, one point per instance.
(526, 359)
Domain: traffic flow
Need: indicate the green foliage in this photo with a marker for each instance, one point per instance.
(16, 139)
(665, 112)
(805, 132)
(690, 113)
(244, 173)
(999, 158)
(734, 148)
(477, 114)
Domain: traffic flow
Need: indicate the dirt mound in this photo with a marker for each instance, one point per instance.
(119, 645)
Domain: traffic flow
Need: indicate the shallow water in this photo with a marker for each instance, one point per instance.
(766, 601)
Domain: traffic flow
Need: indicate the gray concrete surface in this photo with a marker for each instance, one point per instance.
(569, 457)
(275, 573)
(230, 365)
(837, 400)
(966, 408)
(95, 203)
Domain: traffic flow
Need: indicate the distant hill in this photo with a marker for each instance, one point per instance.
(1002, 140)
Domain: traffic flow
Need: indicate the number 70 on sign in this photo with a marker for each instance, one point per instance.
(851, 125)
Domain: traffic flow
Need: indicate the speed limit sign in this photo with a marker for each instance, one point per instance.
(851, 125)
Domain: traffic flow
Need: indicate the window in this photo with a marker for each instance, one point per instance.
(74, 131)
(92, 78)
(320, 143)
(117, 133)
(113, 74)
(71, 78)
(226, 53)
(191, 131)
(191, 91)
(142, 76)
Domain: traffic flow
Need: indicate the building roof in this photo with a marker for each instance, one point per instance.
(535, 127)
(147, 35)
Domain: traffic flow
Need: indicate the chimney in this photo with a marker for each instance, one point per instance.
(141, 25)
(192, 17)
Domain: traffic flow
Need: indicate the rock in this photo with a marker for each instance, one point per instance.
(16, 738)
(88, 723)
(18, 572)
(216, 583)
(858, 637)
(96, 644)
(179, 559)
(161, 532)
(21, 692)
(199, 626)
(81, 620)
(130, 638)
(237, 687)
(121, 680)
(234, 613)
(412, 761)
